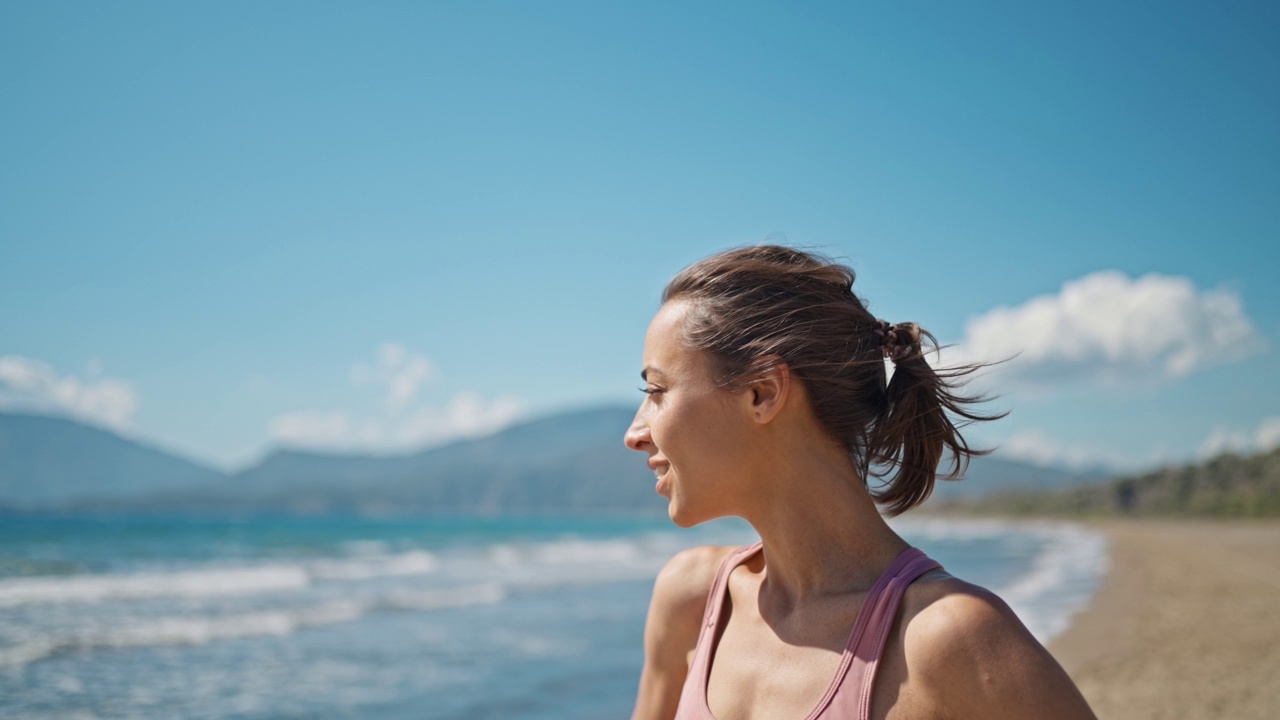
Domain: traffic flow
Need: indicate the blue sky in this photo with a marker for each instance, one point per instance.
(228, 227)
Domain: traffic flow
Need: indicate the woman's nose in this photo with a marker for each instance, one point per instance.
(637, 436)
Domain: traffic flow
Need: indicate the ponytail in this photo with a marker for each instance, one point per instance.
(916, 424)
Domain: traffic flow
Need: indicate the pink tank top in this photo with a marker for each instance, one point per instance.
(849, 694)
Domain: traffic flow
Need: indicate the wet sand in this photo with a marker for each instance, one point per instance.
(1186, 625)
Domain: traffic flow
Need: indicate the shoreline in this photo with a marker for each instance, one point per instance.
(1186, 623)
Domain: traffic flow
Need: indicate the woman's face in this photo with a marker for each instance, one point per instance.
(694, 433)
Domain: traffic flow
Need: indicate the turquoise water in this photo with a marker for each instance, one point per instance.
(433, 617)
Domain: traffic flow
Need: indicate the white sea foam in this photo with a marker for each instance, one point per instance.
(27, 652)
(211, 581)
(414, 562)
(572, 552)
(436, 601)
(1063, 576)
(950, 529)
(456, 578)
(1068, 564)
(180, 631)
(567, 561)
(193, 583)
(1061, 581)
(197, 630)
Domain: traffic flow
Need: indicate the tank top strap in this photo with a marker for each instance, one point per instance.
(852, 696)
(693, 696)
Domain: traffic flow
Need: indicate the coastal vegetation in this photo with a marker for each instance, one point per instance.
(1226, 486)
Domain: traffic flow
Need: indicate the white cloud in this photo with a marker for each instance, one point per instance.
(466, 415)
(1221, 440)
(1038, 448)
(28, 384)
(398, 375)
(1261, 439)
(310, 429)
(400, 372)
(1267, 436)
(1106, 327)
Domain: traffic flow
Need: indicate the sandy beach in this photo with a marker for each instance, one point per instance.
(1186, 625)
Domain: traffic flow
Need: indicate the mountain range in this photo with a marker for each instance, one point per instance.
(569, 462)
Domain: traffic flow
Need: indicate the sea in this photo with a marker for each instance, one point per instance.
(427, 618)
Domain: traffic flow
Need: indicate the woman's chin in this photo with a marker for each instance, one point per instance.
(680, 518)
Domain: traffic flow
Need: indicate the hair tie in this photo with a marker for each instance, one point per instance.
(898, 342)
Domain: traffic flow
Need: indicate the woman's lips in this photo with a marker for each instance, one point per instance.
(659, 471)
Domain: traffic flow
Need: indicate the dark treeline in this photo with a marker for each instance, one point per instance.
(1227, 486)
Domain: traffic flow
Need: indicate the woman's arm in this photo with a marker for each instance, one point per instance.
(671, 630)
(978, 660)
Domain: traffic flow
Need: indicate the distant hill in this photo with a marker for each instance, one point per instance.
(46, 462)
(990, 474)
(1225, 486)
(571, 462)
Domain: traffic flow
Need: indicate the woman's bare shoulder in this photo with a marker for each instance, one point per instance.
(671, 630)
(971, 649)
(679, 598)
(939, 606)
(684, 582)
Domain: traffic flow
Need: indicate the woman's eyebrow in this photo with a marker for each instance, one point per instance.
(644, 374)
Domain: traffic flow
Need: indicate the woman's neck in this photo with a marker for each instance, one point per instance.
(821, 530)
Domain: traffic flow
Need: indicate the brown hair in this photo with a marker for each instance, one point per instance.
(753, 308)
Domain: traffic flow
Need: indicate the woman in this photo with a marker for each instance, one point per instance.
(767, 399)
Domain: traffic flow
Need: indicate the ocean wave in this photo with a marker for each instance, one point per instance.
(1065, 570)
(178, 631)
(187, 583)
(1061, 581)
(195, 630)
(930, 529)
(210, 581)
(562, 560)
(413, 562)
(566, 561)
(577, 560)
(571, 551)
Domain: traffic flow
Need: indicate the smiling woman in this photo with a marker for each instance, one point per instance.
(767, 398)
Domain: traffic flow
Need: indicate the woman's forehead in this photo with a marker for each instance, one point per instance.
(665, 349)
(666, 330)
(668, 322)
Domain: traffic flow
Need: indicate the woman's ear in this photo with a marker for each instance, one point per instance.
(769, 389)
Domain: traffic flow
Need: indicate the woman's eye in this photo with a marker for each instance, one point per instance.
(649, 390)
